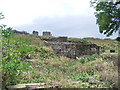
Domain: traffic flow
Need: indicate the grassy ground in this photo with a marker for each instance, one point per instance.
(107, 43)
(92, 72)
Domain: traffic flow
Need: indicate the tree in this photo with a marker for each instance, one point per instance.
(108, 16)
(1, 26)
(1, 16)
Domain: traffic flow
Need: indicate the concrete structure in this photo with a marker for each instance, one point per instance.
(62, 39)
(35, 33)
(20, 32)
(47, 34)
(62, 47)
(112, 50)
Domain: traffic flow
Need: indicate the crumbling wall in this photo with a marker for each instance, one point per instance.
(47, 34)
(54, 39)
(88, 49)
(35, 33)
(63, 48)
(73, 50)
(20, 32)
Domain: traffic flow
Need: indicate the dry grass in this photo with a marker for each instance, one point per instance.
(107, 43)
(60, 71)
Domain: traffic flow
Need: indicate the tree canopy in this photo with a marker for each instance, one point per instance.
(1, 16)
(108, 16)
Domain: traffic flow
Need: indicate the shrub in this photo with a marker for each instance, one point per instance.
(118, 39)
(87, 59)
(85, 41)
(12, 65)
(82, 77)
(82, 60)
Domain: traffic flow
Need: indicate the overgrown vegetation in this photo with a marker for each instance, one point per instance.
(43, 66)
(107, 43)
(79, 40)
(14, 52)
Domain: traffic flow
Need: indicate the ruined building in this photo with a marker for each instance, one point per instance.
(71, 49)
(35, 33)
(62, 47)
(20, 32)
(47, 34)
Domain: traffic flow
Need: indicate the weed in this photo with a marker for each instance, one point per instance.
(12, 65)
(82, 60)
(87, 59)
(47, 67)
(82, 77)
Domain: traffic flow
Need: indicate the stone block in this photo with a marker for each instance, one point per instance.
(72, 49)
(35, 32)
(112, 50)
(62, 39)
(47, 34)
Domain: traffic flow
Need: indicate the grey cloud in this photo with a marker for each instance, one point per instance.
(71, 26)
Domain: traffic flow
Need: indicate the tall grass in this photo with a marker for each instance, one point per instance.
(65, 72)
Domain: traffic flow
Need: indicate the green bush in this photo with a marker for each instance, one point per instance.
(87, 59)
(90, 59)
(85, 42)
(90, 72)
(118, 39)
(12, 64)
(82, 77)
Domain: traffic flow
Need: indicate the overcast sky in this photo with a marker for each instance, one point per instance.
(72, 18)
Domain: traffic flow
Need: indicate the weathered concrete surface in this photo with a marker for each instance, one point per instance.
(35, 33)
(34, 86)
(29, 86)
(73, 50)
(112, 50)
(58, 39)
(20, 32)
(64, 49)
(47, 34)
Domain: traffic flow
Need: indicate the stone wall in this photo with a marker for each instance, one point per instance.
(20, 32)
(63, 48)
(56, 39)
(88, 49)
(73, 50)
(35, 33)
(47, 34)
